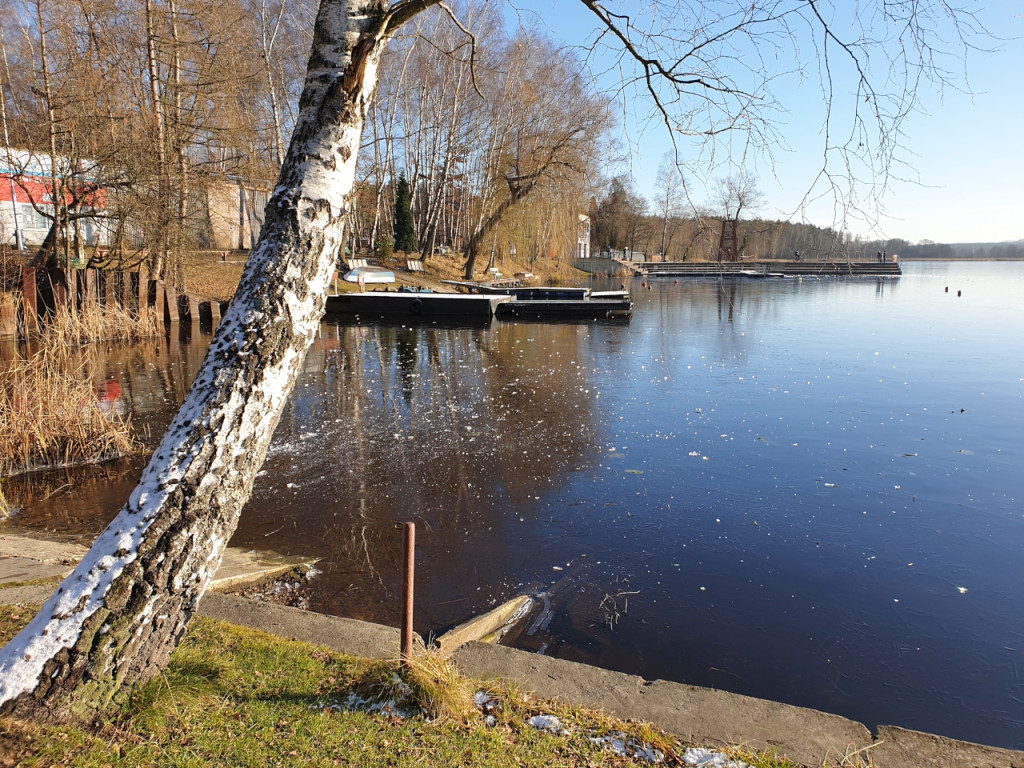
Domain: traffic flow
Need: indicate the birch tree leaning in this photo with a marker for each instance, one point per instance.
(116, 619)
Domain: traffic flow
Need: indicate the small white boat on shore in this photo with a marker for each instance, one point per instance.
(369, 275)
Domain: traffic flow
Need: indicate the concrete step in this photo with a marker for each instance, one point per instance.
(26, 558)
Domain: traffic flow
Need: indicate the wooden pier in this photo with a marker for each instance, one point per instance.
(764, 269)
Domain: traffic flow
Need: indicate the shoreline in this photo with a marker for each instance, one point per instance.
(700, 715)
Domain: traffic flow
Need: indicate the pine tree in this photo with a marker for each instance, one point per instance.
(405, 232)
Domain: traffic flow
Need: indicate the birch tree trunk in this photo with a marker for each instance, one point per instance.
(157, 264)
(57, 237)
(116, 619)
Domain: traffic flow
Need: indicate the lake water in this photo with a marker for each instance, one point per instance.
(804, 490)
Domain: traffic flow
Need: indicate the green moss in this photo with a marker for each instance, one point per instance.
(13, 618)
(51, 582)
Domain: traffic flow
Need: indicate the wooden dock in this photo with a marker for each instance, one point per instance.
(765, 269)
(565, 309)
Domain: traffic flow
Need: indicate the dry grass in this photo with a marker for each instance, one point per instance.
(857, 758)
(439, 690)
(50, 415)
(207, 276)
(93, 323)
(450, 266)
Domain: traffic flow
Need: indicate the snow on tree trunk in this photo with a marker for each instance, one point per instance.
(116, 619)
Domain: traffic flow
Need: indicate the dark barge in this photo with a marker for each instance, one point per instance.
(381, 303)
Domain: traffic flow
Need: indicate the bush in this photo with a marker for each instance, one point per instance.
(385, 247)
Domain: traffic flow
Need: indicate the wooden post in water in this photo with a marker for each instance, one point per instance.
(29, 300)
(127, 295)
(144, 290)
(407, 593)
(172, 300)
(91, 297)
(109, 289)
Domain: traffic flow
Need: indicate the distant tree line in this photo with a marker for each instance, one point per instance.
(993, 251)
(622, 220)
(674, 229)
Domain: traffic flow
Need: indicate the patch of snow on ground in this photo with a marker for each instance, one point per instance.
(705, 758)
(621, 744)
(548, 723)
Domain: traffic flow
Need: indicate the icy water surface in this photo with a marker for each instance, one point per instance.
(808, 491)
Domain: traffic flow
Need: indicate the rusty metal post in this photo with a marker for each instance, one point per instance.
(407, 593)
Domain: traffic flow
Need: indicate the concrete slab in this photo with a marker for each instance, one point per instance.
(480, 627)
(43, 550)
(903, 748)
(358, 638)
(18, 569)
(25, 559)
(241, 567)
(699, 715)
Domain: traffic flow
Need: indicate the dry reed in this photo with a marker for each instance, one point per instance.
(93, 323)
(50, 415)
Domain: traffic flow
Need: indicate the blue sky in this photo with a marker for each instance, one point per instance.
(964, 150)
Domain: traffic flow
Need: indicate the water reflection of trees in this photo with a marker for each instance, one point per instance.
(152, 378)
(70, 501)
(457, 429)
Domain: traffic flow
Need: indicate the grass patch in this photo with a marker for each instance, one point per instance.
(238, 697)
(47, 582)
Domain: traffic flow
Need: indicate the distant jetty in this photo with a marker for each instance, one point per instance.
(763, 269)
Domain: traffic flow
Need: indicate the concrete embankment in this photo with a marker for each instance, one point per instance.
(700, 715)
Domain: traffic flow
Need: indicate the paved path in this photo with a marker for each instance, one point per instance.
(701, 715)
